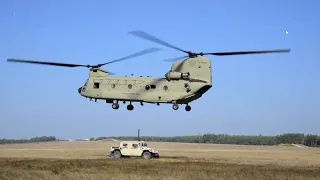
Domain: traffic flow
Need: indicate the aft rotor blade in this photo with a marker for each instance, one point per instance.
(149, 37)
(45, 63)
(143, 52)
(248, 52)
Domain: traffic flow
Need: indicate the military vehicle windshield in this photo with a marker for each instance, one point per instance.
(144, 145)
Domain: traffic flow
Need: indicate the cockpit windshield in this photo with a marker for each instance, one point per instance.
(86, 83)
(83, 88)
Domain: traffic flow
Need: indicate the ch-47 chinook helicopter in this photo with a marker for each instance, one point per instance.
(186, 81)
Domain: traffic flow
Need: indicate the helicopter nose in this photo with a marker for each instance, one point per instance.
(79, 90)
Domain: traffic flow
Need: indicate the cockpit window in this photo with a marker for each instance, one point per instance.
(83, 88)
(85, 85)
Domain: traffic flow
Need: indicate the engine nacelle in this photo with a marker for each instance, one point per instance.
(177, 75)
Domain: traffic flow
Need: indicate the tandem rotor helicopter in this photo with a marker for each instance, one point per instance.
(187, 80)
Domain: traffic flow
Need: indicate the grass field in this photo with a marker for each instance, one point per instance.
(87, 160)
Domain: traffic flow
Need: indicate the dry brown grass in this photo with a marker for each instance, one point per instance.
(87, 160)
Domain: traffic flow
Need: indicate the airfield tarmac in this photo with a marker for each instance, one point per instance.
(203, 160)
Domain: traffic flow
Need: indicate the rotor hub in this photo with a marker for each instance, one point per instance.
(192, 54)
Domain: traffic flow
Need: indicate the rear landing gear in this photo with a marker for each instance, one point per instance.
(175, 106)
(130, 107)
(115, 106)
(188, 108)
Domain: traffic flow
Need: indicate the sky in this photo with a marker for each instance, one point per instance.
(265, 94)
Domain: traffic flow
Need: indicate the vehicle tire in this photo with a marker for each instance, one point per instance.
(117, 154)
(146, 155)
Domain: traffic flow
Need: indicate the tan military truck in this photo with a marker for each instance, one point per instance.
(133, 149)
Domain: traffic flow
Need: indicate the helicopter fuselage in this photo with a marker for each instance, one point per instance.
(143, 89)
(187, 81)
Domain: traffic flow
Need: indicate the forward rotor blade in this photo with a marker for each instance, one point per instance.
(143, 52)
(175, 59)
(248, 52)
(45, 63)
(149, 37)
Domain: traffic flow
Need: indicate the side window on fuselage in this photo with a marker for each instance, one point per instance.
(96, 85)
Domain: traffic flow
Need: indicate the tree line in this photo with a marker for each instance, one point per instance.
(288, 138)
(31, 140)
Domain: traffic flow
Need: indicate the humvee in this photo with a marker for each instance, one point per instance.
(133, 149)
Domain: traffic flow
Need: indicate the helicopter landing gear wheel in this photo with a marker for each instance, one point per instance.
(188, 108)
(175, 107)
(115, 106)
(130, 107)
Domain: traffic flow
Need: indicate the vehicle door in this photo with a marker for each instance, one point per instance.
(124, 149)
(135, 149)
